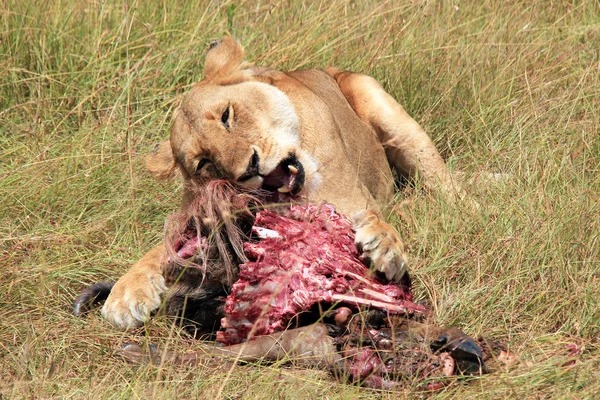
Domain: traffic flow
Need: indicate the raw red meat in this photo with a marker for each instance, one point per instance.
(294, 266)
(303, 258)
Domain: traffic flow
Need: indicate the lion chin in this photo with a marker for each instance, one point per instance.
(316, 135)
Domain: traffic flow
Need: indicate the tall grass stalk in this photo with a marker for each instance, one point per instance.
(88, 87)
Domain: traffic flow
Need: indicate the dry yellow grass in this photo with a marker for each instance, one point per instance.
(87, 88)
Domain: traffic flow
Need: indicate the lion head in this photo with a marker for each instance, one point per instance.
(232, 126)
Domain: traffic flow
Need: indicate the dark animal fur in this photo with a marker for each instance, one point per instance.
(90, 296)
(224, 215)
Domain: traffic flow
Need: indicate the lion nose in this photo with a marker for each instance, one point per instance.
(252, 169)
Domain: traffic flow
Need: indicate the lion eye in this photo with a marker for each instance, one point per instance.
(201, 164)
(227, 116)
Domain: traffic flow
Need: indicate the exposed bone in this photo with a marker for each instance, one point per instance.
(264, 233)
(377, 295)
(390, 307)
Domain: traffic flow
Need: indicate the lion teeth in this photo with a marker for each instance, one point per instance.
(293, 169)
(283, 189)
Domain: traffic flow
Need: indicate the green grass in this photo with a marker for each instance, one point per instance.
(88, 88)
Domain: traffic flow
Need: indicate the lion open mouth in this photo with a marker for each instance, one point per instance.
(285, 181)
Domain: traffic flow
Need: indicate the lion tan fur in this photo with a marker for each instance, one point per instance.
(345, 131)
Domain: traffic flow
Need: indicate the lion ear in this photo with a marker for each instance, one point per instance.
(161, 162)
(223, 57)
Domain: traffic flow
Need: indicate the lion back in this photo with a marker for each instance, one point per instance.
(359, 147)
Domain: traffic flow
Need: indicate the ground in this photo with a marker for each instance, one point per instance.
(88, 88)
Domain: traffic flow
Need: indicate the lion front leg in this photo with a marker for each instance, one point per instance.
(380, 244)
(137, 293)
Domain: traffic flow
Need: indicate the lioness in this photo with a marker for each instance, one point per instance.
(318, 135)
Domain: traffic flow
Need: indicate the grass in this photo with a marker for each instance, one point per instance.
(88, 88)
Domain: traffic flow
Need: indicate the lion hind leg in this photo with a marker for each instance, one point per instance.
(409, 149)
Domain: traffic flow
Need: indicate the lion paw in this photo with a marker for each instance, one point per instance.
(133, 298)
(379, 243)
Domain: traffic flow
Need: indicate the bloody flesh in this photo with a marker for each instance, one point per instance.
(304, 258)
(296, 266)
(300, 265)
